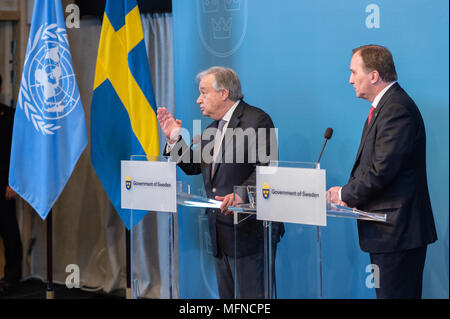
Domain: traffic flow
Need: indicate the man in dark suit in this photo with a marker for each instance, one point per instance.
(231, 147)
(389, 176)
(9, 229)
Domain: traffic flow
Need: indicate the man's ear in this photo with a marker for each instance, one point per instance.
(374, 76)
(225, 93)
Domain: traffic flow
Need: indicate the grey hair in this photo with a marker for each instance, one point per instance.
(224, 78)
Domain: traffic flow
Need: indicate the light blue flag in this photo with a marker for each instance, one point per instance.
(49, 125)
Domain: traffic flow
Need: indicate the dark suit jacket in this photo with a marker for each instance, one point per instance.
(227, 175)
(389, 176)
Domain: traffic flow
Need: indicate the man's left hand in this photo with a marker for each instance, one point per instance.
(227, 200)
(333, 195)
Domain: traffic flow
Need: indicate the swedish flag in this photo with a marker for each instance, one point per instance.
(123, 112)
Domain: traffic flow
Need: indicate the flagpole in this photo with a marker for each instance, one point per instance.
(50, 292)
(128, 257)
(38, 132)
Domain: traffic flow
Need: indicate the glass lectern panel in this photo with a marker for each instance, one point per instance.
(298, 271)
(153, 258)
(299, 268)
(253, 248)
(256, 244)
(197, 275)
(302, 267)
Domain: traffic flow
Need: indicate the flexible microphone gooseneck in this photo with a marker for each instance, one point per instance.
(328, 133)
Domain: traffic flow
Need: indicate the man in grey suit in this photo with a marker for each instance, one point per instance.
(389, 176)
(227, 160)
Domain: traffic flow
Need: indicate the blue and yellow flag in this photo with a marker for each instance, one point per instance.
(123, 112)
(49, 132)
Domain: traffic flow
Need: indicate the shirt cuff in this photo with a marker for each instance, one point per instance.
(170, 146)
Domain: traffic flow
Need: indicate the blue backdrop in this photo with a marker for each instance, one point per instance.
(293, 61)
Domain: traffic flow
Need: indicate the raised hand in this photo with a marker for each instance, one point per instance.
(170, 127)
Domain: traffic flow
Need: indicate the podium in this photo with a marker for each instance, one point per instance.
(246, 208)
(298, 184)
(248, 200)
(148, 191)
(146, 171)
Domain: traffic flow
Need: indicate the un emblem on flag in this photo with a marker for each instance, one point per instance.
(128, 182)
(48, 89)
(222, 25)
(266, 190)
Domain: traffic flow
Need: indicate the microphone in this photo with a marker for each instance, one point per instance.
(195, 140)
(328, 133)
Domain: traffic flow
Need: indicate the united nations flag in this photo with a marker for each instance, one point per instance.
(265, 190)
(49, 126)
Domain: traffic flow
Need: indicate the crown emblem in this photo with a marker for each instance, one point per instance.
(128, 182)
(210, 6)
(221, 27)
(265, 190)
(232, 5)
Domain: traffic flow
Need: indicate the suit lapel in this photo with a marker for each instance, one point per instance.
(234, 123)
(368, 128)
(361, 143)
(208, 166)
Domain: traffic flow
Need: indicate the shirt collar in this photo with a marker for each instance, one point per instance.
(380, 95)
(229, 114)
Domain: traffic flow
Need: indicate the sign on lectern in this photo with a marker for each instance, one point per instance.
(149, 185)
(291, 195)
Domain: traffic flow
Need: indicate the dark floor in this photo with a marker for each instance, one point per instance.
(36, 289)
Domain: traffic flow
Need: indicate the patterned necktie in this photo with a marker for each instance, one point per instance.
(217, 142)
(370, 114)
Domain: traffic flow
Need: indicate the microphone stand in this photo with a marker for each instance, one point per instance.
(328, 134)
